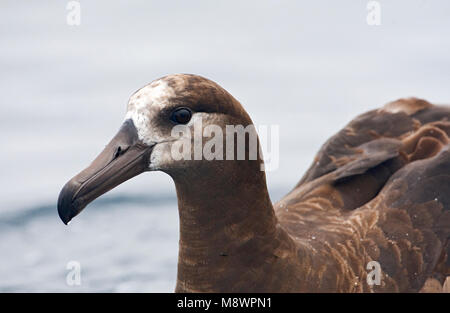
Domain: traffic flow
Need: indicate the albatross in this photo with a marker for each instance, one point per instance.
(371, 214)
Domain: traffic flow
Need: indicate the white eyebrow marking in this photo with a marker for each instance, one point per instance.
(157, 94)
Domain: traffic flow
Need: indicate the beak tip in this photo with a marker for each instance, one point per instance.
(64, 215)
(66, 209)
(65, 220)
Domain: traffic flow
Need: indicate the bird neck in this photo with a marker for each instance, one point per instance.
(227, 223)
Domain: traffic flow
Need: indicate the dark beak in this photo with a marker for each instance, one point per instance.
(123, 158)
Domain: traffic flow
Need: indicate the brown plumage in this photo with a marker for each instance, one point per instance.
(378, 190)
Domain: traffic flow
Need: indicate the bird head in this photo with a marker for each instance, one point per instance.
(161, 131)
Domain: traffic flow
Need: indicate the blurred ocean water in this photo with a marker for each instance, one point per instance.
(307, 66)
(116, 253)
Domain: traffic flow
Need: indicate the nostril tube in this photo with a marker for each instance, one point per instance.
(118, 151)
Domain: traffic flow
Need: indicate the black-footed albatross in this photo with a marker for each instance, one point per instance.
(376, 197)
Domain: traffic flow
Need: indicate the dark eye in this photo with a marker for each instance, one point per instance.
(181, 116)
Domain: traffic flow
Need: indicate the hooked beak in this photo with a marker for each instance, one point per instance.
(123, 158)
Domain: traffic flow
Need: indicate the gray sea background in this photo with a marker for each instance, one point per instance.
(307, 66)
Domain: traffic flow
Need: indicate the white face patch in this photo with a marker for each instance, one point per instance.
(155, 95)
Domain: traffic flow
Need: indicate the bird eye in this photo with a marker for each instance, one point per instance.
(181, 116)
